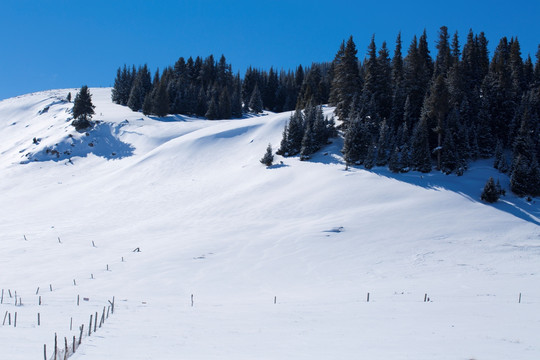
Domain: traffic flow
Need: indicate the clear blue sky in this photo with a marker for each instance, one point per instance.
(47, 44)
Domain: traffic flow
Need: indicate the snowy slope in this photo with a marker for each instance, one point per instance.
(211, 221)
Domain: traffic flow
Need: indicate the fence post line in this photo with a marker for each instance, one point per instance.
(44, 351)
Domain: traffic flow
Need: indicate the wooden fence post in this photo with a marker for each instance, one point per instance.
(5, 316)
(37, 291)
(90, 326)
(44, 351)
(66, 348)
(38, 319)
(74, 344)
(519, 298)
(80, 335)
(15, 320)
(367, 297)
(55, 346)
(39, 299)
(95, 323)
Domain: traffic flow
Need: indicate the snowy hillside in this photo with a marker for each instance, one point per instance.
(216, 226)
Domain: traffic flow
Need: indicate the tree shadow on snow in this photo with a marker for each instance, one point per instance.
(101, 140)
(469, 186)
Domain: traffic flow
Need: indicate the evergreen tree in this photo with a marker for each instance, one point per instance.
(393, 163)
(268, 157)
(420, 154)
(369, 161)
(83, 109)
(255, 102)
(346, 82)
(308, 146)
(435, 110)
(161, 99)
(490, 194)
(212, 112)
(68, 98)
(351, 143)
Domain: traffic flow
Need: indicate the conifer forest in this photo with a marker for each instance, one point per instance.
(413, 110)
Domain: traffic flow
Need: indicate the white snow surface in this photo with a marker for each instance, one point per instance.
(213, 222)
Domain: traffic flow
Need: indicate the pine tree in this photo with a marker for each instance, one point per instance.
(268, 158)
(212, 112)
(346, 82)
(161, 99)
(491, 193)
(284, 144)
(420, 154)
(255, 102)
(68, 98)
(351, 142)
(369, 161)
(83, 109)
(393, 163)
(308, 144)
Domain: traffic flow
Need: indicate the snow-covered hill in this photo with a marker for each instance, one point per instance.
(211, 221)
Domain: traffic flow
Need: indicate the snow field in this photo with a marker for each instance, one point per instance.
(211, 221)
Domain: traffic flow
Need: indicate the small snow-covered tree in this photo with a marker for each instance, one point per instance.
(268, 157)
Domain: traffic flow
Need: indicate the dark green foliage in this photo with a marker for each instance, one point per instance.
(68, 98)
(268, 157)
(420, 154)
(161, 99)
(212, 112)
(491, 192)
(255, 102)
(346, 81)
(83, 109)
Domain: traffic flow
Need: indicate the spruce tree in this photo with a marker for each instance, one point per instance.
(491, 193)
(212, 112)
(255, 102)
(346, 82)
(268, 157)
(420, 154)
(83, 109)
(161, 99)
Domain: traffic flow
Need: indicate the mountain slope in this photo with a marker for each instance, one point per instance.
(211, 221)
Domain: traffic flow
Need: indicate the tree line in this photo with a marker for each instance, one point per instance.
(208, 88)
(408, 111)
